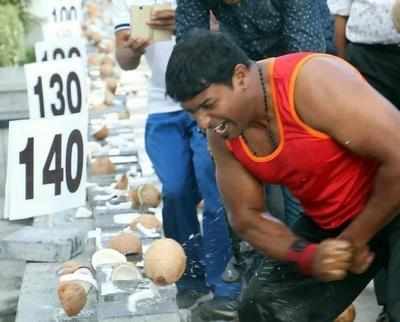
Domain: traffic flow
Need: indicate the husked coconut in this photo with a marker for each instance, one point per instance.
(108, 98)
(111, 85)
(96, 37)
(349, 315)
(147, 221)
(126, 244)
(69, 267)
(164, 261)
(95, 59)
(106, 70)
(102, 166)
(146, 195)
(107, 60)
(396, 15)
(102, 133)
(122, 183)
(72, 297)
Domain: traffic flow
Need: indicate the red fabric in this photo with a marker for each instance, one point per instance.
(332, 184)
(304, 259)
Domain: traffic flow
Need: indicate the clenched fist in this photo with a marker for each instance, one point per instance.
(332, 260)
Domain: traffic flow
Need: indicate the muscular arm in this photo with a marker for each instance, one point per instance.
(345, 107)
(244, 198)
(302, 26)
(191, 14)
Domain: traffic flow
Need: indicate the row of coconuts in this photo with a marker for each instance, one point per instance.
(164, 263)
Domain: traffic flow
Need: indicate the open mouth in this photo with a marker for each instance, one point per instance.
(221, 128)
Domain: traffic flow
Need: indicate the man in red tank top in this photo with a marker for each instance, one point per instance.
(310, 122)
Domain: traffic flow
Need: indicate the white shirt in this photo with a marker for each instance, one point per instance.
(157, 56)
(369, 22)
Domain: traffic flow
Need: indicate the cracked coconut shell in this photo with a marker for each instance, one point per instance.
(126, 244)
(122, 183)
(147, 221)
(164, 261)
(72, 297)
(106, 70)
(146, 195)
(102, 133)
(102, 166)
(396, 15)
(348, 315)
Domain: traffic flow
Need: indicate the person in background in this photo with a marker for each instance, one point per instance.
(366, 37)
(181, 160)
(308, 121)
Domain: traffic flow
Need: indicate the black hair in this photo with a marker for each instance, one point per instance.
(202, 58)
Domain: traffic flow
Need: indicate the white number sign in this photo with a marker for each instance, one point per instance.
(51, 50)
(46, 170)
(65, 10)
(56, 88)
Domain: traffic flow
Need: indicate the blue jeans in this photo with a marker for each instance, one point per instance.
(182, 162)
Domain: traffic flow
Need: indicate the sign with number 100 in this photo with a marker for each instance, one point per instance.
(56, 88)
(46, 166)
(65, 10)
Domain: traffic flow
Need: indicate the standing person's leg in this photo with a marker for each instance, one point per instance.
(216, 241)
(168, 147)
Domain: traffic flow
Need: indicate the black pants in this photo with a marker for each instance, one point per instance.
(380, 65)
(279, 293)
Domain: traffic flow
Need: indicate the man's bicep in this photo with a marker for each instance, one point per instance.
(347, 108)
(240, 190)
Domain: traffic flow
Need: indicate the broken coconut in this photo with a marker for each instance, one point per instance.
(72, 296)
(147, 221)
(107, 256)
(111, 85)
(126, 244)
(102, 166)
(122, 183)
(102, 133)
(396, 15)
(164, 261)
(348, 315)
(145, 195)
(106, 70)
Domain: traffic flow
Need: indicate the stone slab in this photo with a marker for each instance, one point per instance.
(43, 244)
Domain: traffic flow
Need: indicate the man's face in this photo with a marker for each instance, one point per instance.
(221, 108)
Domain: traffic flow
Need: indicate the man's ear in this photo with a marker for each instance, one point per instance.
(240, 77)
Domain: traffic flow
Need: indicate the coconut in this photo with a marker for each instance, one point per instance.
(146, 195)
(107, 256)
(396, 15)
(147, 221)
(125, 272)
(102, 166)
(164, 261)
(111, 85)
(92, 10)
(102, 133)
(96, 37)
(126, 244)
(95, 59)
(108, 98)
(69, 267)
(122, 183)
(106, 46)
(349, 315)
(72, 296)
(107, 60)
(106, 70)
